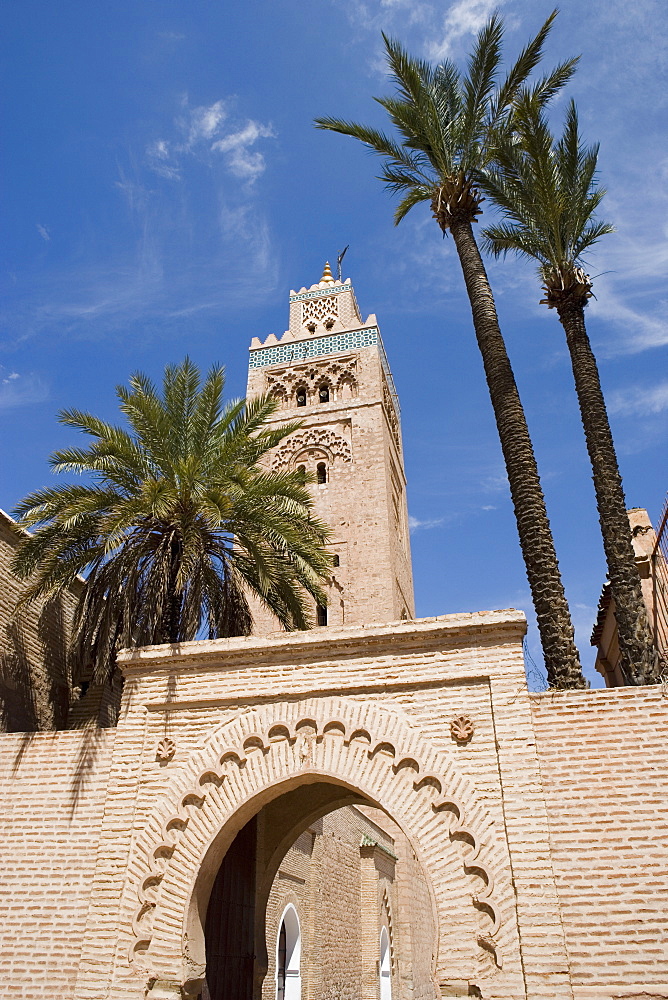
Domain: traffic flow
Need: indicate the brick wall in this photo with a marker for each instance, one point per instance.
(52, 790)
(604, 765)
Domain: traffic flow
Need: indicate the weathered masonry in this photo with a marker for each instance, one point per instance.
(376, 809)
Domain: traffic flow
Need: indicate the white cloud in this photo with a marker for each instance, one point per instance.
(495, 483)
(207, 129)
(466, 17)
(205, 122)
(158, 154)
(642, 401)
(241, 161)
(639, 329)
(20, 390)
(43, 232)
(415, 525)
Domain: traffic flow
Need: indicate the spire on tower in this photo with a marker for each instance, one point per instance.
(327, 278)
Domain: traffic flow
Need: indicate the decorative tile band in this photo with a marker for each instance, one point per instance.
(330, 290)
(304, 349)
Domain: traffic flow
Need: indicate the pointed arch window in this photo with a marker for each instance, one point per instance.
(321, 615)
(288, 957)
(323, 393)
(385, 966)
(301, 396)
(321, 473)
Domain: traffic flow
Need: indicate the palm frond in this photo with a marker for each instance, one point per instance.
(545, 189)
(447, 124)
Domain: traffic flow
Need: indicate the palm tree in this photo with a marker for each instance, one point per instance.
(446, 124)
(178, 523)
(547, 193)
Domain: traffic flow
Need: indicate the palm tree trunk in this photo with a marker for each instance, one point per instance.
(640, 662)
(171, 618)
(554, 622)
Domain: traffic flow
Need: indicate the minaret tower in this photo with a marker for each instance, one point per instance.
(330, 371)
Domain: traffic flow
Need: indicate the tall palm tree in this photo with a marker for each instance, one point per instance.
(548, 195)
(446, 124)
(177, 523)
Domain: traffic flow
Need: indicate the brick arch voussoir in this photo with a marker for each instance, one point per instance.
(357, 743)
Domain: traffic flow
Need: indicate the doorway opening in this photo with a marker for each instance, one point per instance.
(307, 903)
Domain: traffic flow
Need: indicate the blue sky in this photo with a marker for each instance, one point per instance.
(163, 189)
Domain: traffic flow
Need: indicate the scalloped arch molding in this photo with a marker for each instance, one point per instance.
(360, 746)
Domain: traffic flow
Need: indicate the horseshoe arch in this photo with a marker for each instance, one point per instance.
(352, 751)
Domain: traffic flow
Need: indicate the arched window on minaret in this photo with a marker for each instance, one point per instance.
(323, 393)
(301, 395)
(321, 615)
(321, 473)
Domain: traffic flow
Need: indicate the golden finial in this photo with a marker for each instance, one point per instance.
(327, 275)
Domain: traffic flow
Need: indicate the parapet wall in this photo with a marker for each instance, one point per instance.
(603, 758)
(52, 794)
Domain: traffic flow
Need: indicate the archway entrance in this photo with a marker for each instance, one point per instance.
(304, 903)
(291, 772)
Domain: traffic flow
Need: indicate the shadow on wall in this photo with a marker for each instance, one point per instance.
(35, 674)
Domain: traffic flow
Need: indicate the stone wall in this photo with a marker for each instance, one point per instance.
(604, 767)
(52, 793)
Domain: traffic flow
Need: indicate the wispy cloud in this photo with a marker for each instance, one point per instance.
(20, 390)
(210, 129)
(642, 401)
(415, 524)
(242, 162)
(179, 249)
(43, 232)
(638, 329)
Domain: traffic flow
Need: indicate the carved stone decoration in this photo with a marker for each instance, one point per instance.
(165, 749)
(461, 729)
(320, 309)
(340, 374)
(332, 444)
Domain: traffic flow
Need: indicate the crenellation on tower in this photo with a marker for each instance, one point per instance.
(330, 370)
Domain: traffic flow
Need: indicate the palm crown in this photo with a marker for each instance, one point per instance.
(179, 522)
(445, 121)
(547, 193)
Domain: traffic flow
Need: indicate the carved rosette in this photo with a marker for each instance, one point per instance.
(461, 729)
(165, 749)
